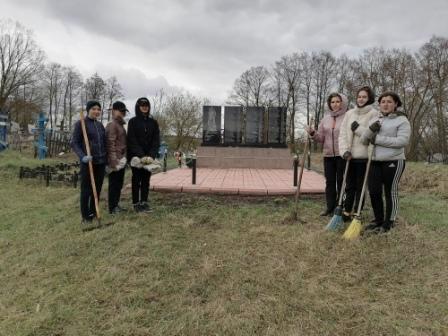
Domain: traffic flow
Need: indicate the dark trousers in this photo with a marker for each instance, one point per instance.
(87, 200)
(355, 179)
(387, 175)
(334, 173)
(116, 180)
(140, 185)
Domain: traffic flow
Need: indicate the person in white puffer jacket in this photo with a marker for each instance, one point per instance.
(389, 133)
(355, 122)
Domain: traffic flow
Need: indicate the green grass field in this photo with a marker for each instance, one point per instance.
(218, 265)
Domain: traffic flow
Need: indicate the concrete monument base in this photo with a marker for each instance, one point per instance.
(244, 157)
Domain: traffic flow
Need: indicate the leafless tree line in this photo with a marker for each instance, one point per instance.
(301, 82)
(29, 84)
(179, 114)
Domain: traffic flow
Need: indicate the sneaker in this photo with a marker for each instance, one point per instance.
(87, 221)
(144, 206)
(122, 209)
(137, 207)
(346, 217)
(373, 227)
(87, 224)
(115, 211)
(387, 225)
(326, 212)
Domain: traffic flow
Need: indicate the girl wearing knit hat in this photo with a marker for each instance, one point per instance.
(97, 140)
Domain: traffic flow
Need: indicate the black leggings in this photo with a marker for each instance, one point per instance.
(387, 175)
(355, 178)
(87, 201)
(334, 173)
(140, 185)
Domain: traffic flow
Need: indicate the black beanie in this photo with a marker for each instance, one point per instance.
(92, 103)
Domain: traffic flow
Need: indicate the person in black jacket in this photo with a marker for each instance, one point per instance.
(143, 140)
(97, 141)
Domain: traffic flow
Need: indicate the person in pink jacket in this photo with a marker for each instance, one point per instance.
(328, 134)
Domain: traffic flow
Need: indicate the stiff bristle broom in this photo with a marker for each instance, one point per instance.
(337, 220)
(355, 227)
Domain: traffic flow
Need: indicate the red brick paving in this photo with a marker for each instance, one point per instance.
(237, 181)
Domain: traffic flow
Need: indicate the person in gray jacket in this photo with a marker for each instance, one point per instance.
(389, 133)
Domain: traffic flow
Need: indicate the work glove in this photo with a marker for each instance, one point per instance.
(347, 155)
(136, 162)
(86, 158)
(373, 138)
(121, 164)
(146, 160)
(375, 127)
(354, 126)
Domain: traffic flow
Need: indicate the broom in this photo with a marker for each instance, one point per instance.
(355, 227)
(337, 220)
(92, 179)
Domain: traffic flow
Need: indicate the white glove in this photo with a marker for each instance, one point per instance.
(155, 167)
(136, 162)
(121, 164)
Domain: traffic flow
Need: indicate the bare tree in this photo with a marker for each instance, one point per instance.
(434, 55)
(183, 111)
(53, 77)
(94, 87)
(20, 59)
(251, 88)
(289, 69)
(159, 111)
(324, 66)
(113, 91)
(72, 91)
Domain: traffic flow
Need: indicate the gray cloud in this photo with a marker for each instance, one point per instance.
(135, 82)
(207, 44)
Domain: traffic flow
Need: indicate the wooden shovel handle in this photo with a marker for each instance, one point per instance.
(92, 177)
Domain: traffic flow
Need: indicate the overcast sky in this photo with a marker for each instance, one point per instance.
(204, 45)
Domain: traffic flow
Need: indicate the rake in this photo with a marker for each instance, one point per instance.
(295, 214)
(92, 178)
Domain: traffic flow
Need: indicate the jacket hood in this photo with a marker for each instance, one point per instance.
(343, 108)
(138, 113)
(395, 114)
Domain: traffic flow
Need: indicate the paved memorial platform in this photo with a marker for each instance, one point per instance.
(237, 181)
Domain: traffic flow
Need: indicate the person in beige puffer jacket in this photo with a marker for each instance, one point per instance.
(351, 147)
